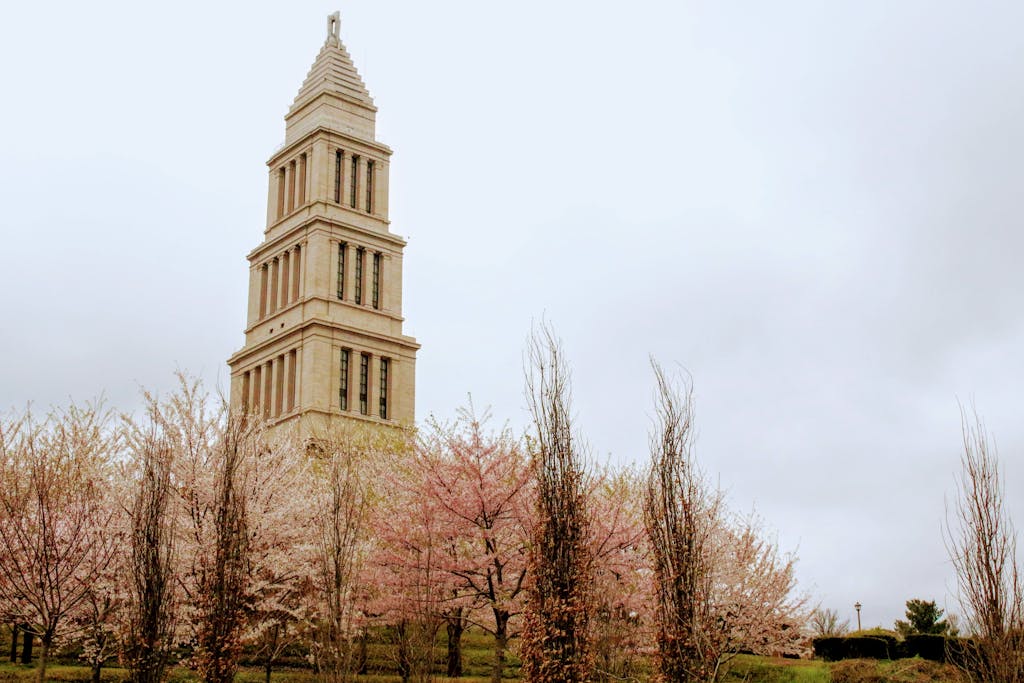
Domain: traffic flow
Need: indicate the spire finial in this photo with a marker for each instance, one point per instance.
(333, 28)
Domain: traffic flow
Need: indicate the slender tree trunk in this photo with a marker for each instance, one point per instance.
(455, 625)
(268, 663)
(43, 656)
(404, 664)
(361, 656)
(14, 643)
(97, 666)
(500, 644)
(26, 646)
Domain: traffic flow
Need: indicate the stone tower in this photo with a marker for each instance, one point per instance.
(323, 339)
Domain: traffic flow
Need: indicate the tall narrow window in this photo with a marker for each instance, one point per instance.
(341, 270)
(369, 186)
(355, 182)
(343, 384)
(359, 275)
(376, 281)
(302, 179)
(337, 176)
(364, 383)
(384, 366)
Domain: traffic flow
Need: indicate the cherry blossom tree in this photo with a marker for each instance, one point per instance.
(410, 583)
(755, 600)
(622, 625)
(54, 514)
(467, 491)
(236, 495)
(343, 456)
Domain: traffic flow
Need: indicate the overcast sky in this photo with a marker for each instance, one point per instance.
(814, 208)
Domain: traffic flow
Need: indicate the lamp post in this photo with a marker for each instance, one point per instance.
(856, 606)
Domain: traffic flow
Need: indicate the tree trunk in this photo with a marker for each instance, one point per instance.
(500, 644)
(26, 646)
(271, 644)
(43, 655)
(404, 664)
(361, 656)
(96, 667)
(455, 625)
(14, 643)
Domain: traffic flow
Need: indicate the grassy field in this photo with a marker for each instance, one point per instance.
(745, 669)
(477, 655)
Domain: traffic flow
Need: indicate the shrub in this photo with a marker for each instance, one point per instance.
(930, 647)
(855, 647)
(831, 648)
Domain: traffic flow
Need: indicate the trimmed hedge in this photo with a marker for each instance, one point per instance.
(934, 648)
(930, 647)
(855, 647)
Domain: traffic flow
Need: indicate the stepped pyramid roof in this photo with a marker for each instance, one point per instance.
(333, 72)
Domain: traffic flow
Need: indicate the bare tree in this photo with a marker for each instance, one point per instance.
(825, 623)
(681, 513)
(556, 636)
(53, 517)
(982, 546)
(225, 570)
(151, 609)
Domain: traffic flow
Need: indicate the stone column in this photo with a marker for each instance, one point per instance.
(289, 374)
(268, 389)
(367, 277)
(385, 281)
(273, 290)
(315, 169)
(273, 204)
(255, 402)
(291, 186)
(278, 385)
(263, 275)
(380, 188)
(373, 386)
(286, 278)
(350, 272)
(360, 183)
(296, 256)
(345, 177)
(303, 163)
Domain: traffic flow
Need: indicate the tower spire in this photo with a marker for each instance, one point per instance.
(332, 92)
(333, 29)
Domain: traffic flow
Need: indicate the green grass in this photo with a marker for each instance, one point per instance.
(753, 669)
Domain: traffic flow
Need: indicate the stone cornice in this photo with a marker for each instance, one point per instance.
(311, 328)
(288, 149)
(304, 227)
